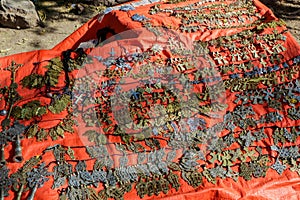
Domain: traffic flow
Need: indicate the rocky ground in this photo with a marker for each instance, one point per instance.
(60, 19)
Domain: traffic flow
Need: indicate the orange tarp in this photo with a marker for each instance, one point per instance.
(272, 186)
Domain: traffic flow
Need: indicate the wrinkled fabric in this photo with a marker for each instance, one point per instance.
(273, 186)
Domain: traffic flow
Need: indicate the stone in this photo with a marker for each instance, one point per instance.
(18, 14)
(113, 2)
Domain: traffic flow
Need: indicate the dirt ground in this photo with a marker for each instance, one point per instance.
(60, 20)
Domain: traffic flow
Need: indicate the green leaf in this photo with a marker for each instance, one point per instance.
(26, 113)
(208, 176)
(126, 138)
(53, 134)
(139, 137)
(55, 68)
(29, 110)
(41, 135)
(14, 86)
(33, 103)
(5, 123)
(16, 112)
(32, 131)
(101, 139)
(40, 111)
(60, 131)
(60, 105)
(67, 125)
(57, 61)
(70, 152)
(33, 81)
(52, 81)
(92, 135)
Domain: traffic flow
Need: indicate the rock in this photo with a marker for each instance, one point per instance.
(114, 2)
(77, 8)
(18, 14)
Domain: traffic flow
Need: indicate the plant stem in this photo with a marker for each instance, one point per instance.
(19, 195)
(31, 195)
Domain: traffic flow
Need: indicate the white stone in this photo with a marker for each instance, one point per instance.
(18, 14)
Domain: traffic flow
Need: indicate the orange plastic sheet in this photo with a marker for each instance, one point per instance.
(132, 35)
